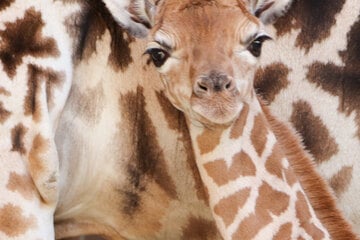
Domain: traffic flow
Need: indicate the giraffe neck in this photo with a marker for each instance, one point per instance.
(253, 191)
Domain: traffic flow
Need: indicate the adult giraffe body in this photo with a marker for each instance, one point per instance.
(310, 70)
(114, 184)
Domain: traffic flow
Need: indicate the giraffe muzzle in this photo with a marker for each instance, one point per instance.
(213, 83)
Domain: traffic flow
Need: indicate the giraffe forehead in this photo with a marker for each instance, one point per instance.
(208, 24)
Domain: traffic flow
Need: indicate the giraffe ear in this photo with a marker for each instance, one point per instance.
(268, 10)
(136, 16)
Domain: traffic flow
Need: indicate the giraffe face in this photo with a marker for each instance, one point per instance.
(206, 53)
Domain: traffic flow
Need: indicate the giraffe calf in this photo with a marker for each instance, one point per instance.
(261, 184)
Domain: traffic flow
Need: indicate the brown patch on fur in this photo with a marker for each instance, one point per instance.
(315, 186)
(259, 134)
(351, 56)
(13, 223)
(304, 216)
(269, 81)
(173, 116)
(273, 163)
(4, 92)
(238, 126)
(291, 178)
(241, 165)
(199, 229)
(146, 219)
(5, 3)
(284, 232)
(265, 204)
(176, 121)
(4, 114)
(94, 20)
(36, 76)
(22, 184)
(340, 81)
(313, 18)
(36, 160)
(24, 37)
(17, 138)
(341, 180)
(264, 208)
(209, 140)
(316, 136)
(228, 207)
(147, 162)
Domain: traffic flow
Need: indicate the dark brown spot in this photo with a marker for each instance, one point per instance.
(304, 216)
(37, 76)
(265, 207)
(316, 136)
(228, 207)
(269, 81)
(13, 223)
(131, 202)
(238, 126)
(176, 121)
(342, 81)
(341, 180)
(199, 229)
(17, 139)
(351, 56)
(24, 37)
(259, 134)
(313, 18)
(94, 21)
(5, 3)
(284, 232)
(147, 159)
(22, 184)
(241, 165)
(4, 114)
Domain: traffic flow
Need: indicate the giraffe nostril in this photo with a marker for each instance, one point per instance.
(202, 87)
(228, 85)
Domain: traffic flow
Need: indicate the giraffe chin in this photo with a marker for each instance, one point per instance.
(219, 115)
(220, 108)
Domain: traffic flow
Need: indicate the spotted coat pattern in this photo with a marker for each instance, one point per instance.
(36, 72)
(88, 50)
(312, 81)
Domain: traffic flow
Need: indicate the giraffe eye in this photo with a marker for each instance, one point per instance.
(255, 45)
(158, 56)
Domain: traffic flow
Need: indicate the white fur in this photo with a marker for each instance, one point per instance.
(119, 11)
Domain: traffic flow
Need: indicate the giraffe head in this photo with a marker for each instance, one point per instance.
(205, 50)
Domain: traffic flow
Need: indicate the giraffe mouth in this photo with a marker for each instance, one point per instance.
(216, 109)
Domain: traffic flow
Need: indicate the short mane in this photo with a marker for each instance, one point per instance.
(324, 206)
